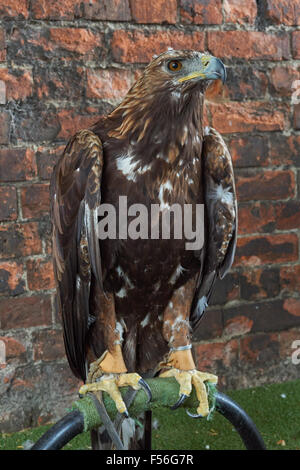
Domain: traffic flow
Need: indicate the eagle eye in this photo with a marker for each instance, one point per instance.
(174, 65)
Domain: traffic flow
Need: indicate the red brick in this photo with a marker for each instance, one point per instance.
(260, 349)
(11, 274)
(237, 326)
(287, 215)
(5, 121)
(250, 151)
(71, 122)
(290, 278)
(265, 185)
(209, 355)
(296, 44)
(54, 10)
(261, 249)
(2, 46)
(14, 8)
(18, 83)
(239, 11)
(46, 159)
(259, 283)
(296, 121)
(35, 201)
(248, 45)
(284, 149)
(40, 274)
(19, 240)
(137, 46)
(17, 164)
(157, 11)
(282, 79)
(8, 207)
(79, 40)
(15, 350)
(246, 117)
(60, 82)
(199, 12)
(25, 312)
(256, 217)
(292, 306)
(48, 345)
(108, 84)
(111, 10)
(282, 12)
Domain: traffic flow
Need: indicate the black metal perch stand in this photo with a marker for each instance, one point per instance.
(84, 415)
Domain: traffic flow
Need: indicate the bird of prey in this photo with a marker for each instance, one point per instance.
(129, 305)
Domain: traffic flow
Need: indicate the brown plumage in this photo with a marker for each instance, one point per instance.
(145, 296)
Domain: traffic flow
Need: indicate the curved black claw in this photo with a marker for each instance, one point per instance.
(181, 400)
(194, 416)
(146, 388)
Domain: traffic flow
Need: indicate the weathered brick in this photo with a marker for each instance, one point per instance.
(290, 278)
(282, 79)
(38, 122)
(296, 44)
(260, 349)
(247, 117)
(11, 278)
(296, 122)
(245, 82)
(2, 46)
(35, 200)
(287, 215)
(210, 355)
(267, 316)
(25, 312)
(59, 82)
(15, 350)
(48, 345)
(108, 84)
(46, 159)
(19, 240)
(47, 43)
(40, 274)
(225, 290)
(139, 46)
(72, 121)
(157, 11)
(5, 122)
(111, 10)
(284, 150)
(266, 185)
(8, 207)
(292, 306)
(17, 164)
(54, 10)
(18, 83)
(238, 11)
(259, 283)
(256, 217)
(261, 249)
(250, 151)
(287, 339)
(282, 12)
(237, 326)
(199, 12)
(15, 9)
(248, 45)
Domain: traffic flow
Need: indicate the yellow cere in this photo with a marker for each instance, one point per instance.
(191, 75)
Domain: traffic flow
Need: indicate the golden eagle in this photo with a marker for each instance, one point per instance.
(130, 304)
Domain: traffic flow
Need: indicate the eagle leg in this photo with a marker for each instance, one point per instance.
(182, 368)
(109, 373)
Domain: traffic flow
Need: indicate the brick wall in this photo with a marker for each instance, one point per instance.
(66, 62)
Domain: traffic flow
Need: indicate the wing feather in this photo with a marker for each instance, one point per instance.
(75, 197)
(220, 220)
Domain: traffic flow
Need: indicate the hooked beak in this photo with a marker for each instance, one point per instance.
(213, 71)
